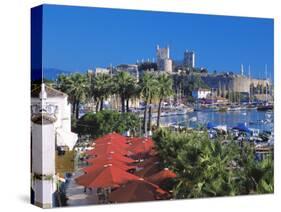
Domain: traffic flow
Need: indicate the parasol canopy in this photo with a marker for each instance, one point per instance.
(107, 176)
(138, 190)
(149, 161)
(161, 176)
(148, 170)
(107, 149)
(116, 144)
(242, 127)
(134, 140)
(112, 137)
(211, 125)
(142, 147)
(115, 156)
(99, 163)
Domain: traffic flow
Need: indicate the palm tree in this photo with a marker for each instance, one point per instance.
(208, 168)
(125, 87)
(76, 86)
(165, 89)
(153, 99)
(147, 85)
(101, 88)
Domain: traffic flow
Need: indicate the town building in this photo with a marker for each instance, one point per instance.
(189, 59)
(50, 128)
(201, 93)
(64, 136)
(130, 68)
(102, 71)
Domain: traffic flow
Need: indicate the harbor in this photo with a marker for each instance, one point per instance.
(260, 120)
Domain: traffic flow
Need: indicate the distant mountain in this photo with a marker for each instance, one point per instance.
(52, 73)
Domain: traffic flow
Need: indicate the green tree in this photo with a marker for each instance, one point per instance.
(103, 122)
(76, 85)
(165, 89)
(207, 168)
(148, 87)
(101, 88)
(125, 88)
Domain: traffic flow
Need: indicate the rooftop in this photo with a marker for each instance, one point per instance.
(51, 92)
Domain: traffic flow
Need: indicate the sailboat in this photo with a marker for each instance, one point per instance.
(250, 105)
(266, 105)
(212, 107)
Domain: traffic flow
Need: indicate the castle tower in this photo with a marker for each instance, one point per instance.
(164, 62)
(189, 59)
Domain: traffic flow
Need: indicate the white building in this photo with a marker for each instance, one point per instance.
(201, 93)
(64, 136)
(51, 127)
(164, 62)
(102, 70)
(130, 68)
(189, 59)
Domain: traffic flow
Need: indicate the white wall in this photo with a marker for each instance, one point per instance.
(43, 149)
(63, 113)
(200, 94)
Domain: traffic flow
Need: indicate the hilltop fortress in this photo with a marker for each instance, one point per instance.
(185, 71)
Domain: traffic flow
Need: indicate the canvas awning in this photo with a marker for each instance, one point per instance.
(138, 190)
(64, 138)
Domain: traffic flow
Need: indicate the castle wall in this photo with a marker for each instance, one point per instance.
(241, 84)
(236, 83)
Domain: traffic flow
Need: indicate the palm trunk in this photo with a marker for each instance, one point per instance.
(127, 105)
(123, 103)
(149, 115)
(77, 109)
(73, 108)
(97, 106)
(101, 104)
(145, 119)
(158, 113)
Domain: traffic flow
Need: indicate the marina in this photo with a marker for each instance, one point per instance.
(261, 120)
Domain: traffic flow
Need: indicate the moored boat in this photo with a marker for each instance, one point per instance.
(234, 108)
(265, 107)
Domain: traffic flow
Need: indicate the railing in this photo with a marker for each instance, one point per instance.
(43, 110)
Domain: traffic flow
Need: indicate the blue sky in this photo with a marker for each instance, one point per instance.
(81, 38)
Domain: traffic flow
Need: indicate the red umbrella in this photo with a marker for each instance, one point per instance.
(138, 190)
(106, 176)
(100, 163)
(142, 147)
(107, 149)
(115, 156)
(161, 176)
(120, 145)
(134, 140)
(113, 137)
(149, 161)
(149, 170)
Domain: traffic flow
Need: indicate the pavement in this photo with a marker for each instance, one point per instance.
(76, 195)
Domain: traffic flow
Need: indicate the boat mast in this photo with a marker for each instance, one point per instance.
(249, 73)
(266, 99)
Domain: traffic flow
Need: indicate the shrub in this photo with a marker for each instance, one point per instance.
(106, 121)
